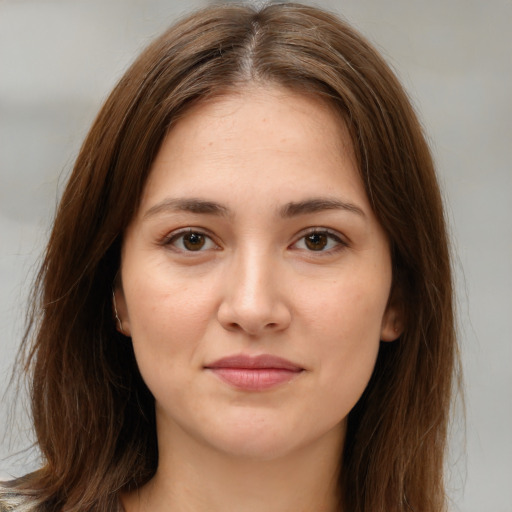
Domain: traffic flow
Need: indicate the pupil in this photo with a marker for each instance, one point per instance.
(193, 241)
(316, 241)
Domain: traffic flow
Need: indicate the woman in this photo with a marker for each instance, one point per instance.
(246, 299)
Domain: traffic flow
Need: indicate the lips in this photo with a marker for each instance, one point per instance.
(254, 373)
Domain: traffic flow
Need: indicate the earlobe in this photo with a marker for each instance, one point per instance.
(120, 311)
(392, 324)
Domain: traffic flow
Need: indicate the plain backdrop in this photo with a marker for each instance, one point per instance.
(59, 60)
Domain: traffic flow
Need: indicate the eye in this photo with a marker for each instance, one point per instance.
(319, 241)
(191, 241)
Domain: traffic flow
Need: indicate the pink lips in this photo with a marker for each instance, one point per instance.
(254, 373)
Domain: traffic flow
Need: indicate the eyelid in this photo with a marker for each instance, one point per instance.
(169, 238)
(342, 241)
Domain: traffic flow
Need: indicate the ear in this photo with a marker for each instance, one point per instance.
(120, 309)
(392, 322)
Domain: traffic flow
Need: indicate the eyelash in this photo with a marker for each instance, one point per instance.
(330, 238)
(171, 239)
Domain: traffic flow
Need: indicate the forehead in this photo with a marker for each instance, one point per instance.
(263, 137)
(277, 110)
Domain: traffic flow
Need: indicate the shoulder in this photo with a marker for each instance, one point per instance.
(12, 501)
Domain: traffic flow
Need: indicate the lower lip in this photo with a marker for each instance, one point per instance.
(255, 379)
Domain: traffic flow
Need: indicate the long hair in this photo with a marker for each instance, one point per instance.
(93, 415)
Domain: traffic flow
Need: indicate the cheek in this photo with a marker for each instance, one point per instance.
(348, 312)
(346, 325)
(159, 300)
(168, 319)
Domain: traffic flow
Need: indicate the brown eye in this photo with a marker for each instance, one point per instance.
(316, 241)
(194, 241)
(190, 240)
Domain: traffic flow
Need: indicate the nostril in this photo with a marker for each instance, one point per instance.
(253, 318)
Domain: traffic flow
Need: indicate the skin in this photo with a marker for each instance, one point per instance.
(254, 286)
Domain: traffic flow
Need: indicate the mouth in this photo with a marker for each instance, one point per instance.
(254, 373)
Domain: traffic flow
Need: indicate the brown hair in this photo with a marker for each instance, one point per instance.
(93, 415)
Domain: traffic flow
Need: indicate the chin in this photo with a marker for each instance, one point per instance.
(261, 439)
(253, 448)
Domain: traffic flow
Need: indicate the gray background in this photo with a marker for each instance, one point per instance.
(59, 59)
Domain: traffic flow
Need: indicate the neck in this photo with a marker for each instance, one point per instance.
(193, 477)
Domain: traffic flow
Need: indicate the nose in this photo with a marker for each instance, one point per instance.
(254, 300)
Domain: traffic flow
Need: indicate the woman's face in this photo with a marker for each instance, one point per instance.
(255, 277)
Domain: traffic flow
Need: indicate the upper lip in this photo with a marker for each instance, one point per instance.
(264, 361)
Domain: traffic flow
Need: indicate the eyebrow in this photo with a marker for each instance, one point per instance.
(292, 209)
(191, 205)
(317, 205)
